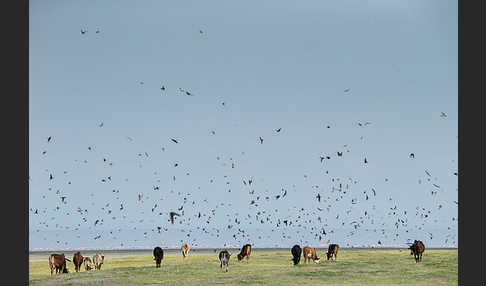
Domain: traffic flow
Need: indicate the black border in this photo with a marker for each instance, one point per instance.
(15, 118)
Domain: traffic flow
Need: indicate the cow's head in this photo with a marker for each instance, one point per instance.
(328, 255)
(240, 257)
(412, 249)
(317, 260)
(102, 259)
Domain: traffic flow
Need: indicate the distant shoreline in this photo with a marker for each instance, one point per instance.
(217, 248)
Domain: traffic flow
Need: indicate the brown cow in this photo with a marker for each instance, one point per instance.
(98, 260)
(87, 263)
(416, 249)
(310, 253)
(58, 262)
(77, 261)
(185, 250)
(245, 251)
(332, 251)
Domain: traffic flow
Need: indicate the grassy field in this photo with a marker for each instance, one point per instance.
(353, 267)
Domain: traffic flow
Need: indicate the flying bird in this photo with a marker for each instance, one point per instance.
(278, 130)
(261, 140)
(442, 114)
(173, 140)
(340, 154)
(412, 155)
(172, 214)
(49, 139)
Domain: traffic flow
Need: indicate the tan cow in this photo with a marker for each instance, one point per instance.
(310, 253)
(87, 263)
(185, 250)
(98, 260)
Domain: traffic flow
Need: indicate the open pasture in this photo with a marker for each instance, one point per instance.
(353, 267)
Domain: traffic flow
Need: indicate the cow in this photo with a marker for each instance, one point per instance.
(185, 250)
(310, 253)
(245, 251)
(77, 261)
(58, 262)
(87, 263)
(98, 260)
(417, 249)
(224, 257)
(158, 256)
(296, 253)
(332, 250)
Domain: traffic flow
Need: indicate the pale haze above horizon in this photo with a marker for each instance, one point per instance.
(267, 91)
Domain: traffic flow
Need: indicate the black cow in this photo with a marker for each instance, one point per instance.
(296, 253)
(224, 257)
(158, 256)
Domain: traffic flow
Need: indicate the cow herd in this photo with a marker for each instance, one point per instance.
(58, 261)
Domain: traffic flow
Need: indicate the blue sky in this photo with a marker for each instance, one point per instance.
(274, 64)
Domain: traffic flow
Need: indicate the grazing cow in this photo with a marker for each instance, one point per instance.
(296, 253)
(185, 250)
(245, 251)
(98, 260)
(77, 261)
(224, 257)
(310, 253)
(87, 263)
(416, 249)
(332, 251)
(58, 262)
(158, 256)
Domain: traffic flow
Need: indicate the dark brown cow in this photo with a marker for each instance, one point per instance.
(310, 253)
(417, 249)
(245, 251)
(87, 263)
(332, 251)
(58, 262)
(77, 261)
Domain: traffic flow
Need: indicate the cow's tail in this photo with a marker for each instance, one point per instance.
(68, 259)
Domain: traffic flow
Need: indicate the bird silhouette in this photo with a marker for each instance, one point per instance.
(172, 214)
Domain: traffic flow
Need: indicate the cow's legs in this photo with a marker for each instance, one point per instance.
(248, 258)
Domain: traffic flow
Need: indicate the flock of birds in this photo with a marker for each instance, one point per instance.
(197, 218)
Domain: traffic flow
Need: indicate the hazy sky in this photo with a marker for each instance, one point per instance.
(274, 64)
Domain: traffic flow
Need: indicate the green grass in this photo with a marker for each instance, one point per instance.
(354, 267)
